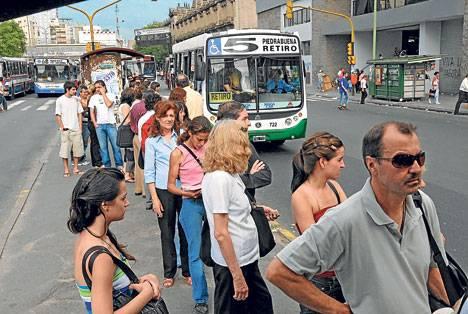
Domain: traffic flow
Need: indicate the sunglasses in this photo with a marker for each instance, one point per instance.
(406, 160)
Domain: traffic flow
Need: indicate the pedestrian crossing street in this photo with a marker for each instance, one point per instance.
(31, 104)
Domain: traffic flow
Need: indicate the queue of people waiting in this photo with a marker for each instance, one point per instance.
(195, 172)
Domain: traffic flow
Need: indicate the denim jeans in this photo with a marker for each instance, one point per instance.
(343, 99)
(191, 218)
(85, 133)
(3, 102)
(108, 132)
(329, 286)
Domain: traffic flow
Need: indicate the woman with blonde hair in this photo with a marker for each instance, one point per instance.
(239, 286)
(316, 167)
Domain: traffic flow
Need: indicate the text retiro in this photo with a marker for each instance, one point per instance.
(280, 44)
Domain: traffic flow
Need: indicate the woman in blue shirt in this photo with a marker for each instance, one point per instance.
(160, 144)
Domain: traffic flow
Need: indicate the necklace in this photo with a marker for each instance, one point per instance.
(102, 239)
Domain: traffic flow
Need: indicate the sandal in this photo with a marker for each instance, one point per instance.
(66, 174)
(188, 280)
(130, 180)
(168, 282)
(77, 172)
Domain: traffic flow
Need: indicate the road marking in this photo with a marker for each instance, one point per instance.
(322, 99)
(26, 108)
(43, 107)
(16, 103)
(50, 102)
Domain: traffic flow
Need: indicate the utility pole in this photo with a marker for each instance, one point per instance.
(91, 18)
(374, 33)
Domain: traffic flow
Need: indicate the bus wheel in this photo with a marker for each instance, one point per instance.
(278, 142)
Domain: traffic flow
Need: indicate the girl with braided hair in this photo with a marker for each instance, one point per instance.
(316, 167)
(100, 198)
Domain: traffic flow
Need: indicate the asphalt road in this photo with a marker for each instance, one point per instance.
(444, 137)
(35, 265)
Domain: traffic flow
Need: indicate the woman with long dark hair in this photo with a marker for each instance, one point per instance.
(100, 198)
(126, 100)
(316, 167)
(186, 164)
(158, 148)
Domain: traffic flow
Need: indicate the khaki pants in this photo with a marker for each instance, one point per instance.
(139, 176)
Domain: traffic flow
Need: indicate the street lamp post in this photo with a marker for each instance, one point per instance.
(374, 32)
(91, 18)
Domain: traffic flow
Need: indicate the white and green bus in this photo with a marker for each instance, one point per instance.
(262, 69)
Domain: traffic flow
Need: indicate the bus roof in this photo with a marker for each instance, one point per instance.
(13, 59)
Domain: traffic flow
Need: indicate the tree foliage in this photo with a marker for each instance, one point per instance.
(12, 40)
(160, 52)
(155, 24)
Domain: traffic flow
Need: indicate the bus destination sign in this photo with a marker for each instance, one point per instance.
(249, 44)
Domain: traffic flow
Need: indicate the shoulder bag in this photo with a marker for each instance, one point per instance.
(125, 134)
(266, 240)
(121, 299)
(454, 278)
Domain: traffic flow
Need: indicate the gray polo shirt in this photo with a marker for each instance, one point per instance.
(380, 270)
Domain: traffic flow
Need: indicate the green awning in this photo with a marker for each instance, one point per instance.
(406, 59)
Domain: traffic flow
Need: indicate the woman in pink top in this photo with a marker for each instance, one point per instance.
(316, 167)
(186, 164)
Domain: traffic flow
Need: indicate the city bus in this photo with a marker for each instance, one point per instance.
(16, 78)
(144, 68)
(50, 73)
(262, 69)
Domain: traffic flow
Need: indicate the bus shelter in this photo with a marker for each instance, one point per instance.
(400, 78)
(107, 65)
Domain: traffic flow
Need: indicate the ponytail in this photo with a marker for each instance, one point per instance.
(299, 174)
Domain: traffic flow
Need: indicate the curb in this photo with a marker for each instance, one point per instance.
(23, 197)
(394, 104)
(283, 232)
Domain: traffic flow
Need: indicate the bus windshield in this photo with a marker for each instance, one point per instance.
(277, 80)
(52, 73)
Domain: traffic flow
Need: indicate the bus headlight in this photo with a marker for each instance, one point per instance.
(295, 118)
(300, 114)
(288, 121)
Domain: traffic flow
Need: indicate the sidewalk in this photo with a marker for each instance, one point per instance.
(447, 102)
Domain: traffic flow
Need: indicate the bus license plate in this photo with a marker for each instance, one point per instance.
(259, 138)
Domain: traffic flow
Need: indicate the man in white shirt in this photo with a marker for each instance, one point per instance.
(462, 95)
(104, 122)
(194, 100)
(69, 120)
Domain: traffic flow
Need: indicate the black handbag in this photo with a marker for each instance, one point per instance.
(121, 299)
(453, 276)
(125, 135)
(266, 240)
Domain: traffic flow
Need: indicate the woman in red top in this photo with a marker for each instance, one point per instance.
(314, 190)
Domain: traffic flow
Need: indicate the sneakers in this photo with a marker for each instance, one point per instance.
(83, 163)
(200, 308)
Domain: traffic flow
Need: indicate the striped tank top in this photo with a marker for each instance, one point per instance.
(120, 283)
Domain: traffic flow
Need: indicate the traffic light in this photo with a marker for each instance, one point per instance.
(350, 49)
(351, 60)
(289, 9)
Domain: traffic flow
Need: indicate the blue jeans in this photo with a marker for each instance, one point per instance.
(343, 99)
(329, 286)
(191, 218)
(85, 133)
(108, 132)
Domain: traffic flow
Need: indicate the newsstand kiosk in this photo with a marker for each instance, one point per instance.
(400, 78)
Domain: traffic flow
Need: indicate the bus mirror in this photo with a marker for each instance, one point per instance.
(304, 69)
(200, 71)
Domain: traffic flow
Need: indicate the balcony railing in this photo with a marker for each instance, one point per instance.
(366, 6)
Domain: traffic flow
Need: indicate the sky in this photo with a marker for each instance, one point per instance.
(133, 14)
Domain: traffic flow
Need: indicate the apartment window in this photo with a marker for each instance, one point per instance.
(306, 47)
(299, 17)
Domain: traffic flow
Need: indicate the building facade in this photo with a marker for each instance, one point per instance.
(319, 52)
(29, 28)
(104, 36)
(416, 27)
(42, 21)
(207, 16)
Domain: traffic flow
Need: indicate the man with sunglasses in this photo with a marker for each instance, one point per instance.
(375, 241)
